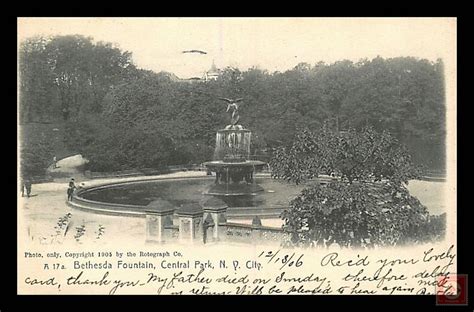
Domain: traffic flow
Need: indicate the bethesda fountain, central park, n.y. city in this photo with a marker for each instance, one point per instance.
(232, 165)
(180, 207)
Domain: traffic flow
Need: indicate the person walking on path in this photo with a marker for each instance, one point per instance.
(70, 189)
(55, 162)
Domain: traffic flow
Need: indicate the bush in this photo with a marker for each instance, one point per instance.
(432, 230)
(367, 205)
(359, 215)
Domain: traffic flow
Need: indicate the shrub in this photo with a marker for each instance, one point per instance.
(367, 205)
(358, 215)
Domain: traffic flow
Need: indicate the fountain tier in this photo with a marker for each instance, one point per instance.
(232, 166)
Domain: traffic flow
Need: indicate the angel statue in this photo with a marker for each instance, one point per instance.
(234, 108)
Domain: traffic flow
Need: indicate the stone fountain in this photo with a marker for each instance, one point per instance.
(232, 165)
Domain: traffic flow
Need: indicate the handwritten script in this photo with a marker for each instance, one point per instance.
(278, 271)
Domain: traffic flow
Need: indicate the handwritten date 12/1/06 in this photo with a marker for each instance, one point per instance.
(285, 260)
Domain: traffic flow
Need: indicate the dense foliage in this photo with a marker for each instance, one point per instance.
(366, 205)
(359, 215)
(79, 82)
(36, 156)
(364, 155)
(64, 76)
(65, 79)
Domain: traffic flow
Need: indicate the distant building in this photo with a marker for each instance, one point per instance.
(212, 74)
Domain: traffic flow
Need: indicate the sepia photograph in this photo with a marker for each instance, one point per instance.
(237, 156)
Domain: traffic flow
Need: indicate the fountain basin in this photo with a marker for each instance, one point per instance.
(224, 167)
(132, 198)
(234, 190)
(230, 174)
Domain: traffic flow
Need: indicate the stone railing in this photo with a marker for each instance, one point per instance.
(173, 231)
(203, 224)
(256, 232)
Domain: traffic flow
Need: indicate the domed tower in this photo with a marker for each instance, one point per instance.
(212, 73)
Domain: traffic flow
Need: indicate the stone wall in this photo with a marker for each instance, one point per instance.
(205, 225)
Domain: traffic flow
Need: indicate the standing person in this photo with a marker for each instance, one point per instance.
(22, 185)
(28, 187)
(55, 162)
(70, 189)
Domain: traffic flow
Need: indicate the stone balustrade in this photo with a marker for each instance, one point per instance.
(203, 223)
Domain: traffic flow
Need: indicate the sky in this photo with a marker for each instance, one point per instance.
(273, 44)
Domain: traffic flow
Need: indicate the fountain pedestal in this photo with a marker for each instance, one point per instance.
(234, 178)
(233, 169)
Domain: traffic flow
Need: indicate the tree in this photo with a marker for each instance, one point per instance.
(352, 156)
(276, 106)
(36, 81)
(367, 204)
(35, 157)
(84, 71)
(338, 80)
(109, 67)
(68, 75)
(69, 58)
(82, 80)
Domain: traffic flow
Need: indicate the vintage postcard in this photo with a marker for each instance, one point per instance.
(239, 156)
